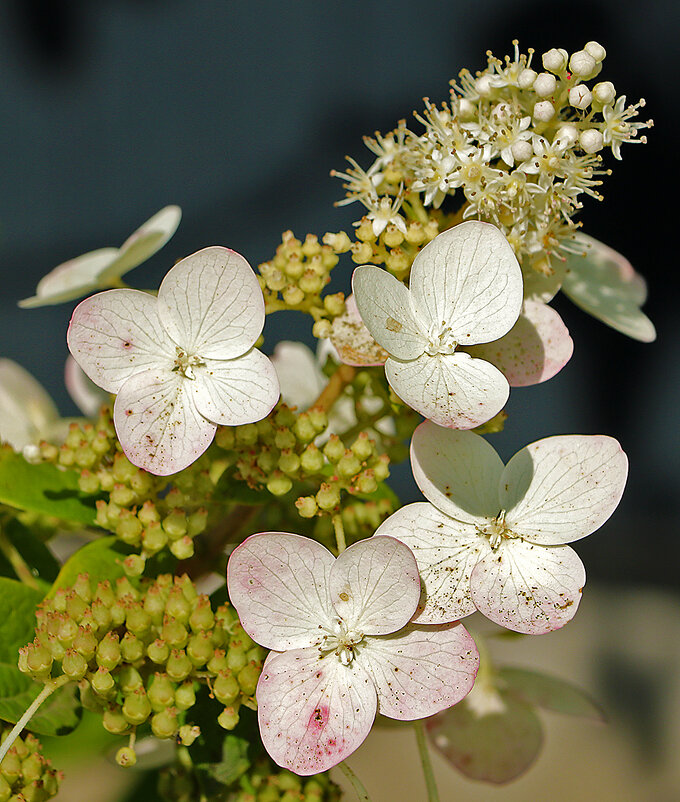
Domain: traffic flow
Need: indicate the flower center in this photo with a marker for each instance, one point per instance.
(496, 530)
(342, 641)
(440, 340)
(185, 363)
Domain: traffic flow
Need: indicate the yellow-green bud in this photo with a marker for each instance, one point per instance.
(154, 538)
(161, 692)
(334, 449)
(366, 482)
(334, 304)
(101, 614)
(88, 482)
(202, 617)
(134, 565)
(175, 524)
(226, 688)
(225, 437)
(306, 506)
(362, 447)
(196, 522)
(148, 513)
(248, 677)
(328, 496)
(266, 460)
(185, 696)
(293, 295)
(73, 664)
(126, 757)
(228, 718)
(128, 679)
(348, 465)
(322, 329)
(246, 435)
(182, 548)
(123, 470)
(136, 707)
(361, 252)
(177, 606)
(102, 682)
(122, 495)
(38, 660)
(188, 734)
(218, 662)
(279, 484)
(284, 438)
(236, 659)
(108, 651)
(131, 648)
(178, 665)
(165, 724)
(158, 651)
(311, 459)
(174, 633)
(289, 462)
(381, 468)
(115, 722)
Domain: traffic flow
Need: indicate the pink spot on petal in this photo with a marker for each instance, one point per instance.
(318, 719)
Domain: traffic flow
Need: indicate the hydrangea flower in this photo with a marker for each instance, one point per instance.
(492, 537)
(181, 363)
(104, 267)
(465, 289)
(343, 647)
(604, 283)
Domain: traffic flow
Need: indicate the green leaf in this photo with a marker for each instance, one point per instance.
(234, 761)
(34, 552)
(43, 488)
(495, 746)
(61, 712)
(101, 559)
(550, 693)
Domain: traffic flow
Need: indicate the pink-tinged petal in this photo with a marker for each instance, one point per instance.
(158, 424)
(353, 341)
(562, 488)
(452, 390)
(375, 585)
(313, 712)
(71, 279)
(385, 307)
(446, 552)
(528, 588)
(536, 348)
(458, 472)
(232, 392)
(604, 284)
(117, 333)
(143, 243)
(211, 304)
(541, 287)
(495, 746)
(84, 392)
(468, 280)
(278, 584)
(420, 671)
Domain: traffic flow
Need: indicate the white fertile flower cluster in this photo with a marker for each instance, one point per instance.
(517, 145)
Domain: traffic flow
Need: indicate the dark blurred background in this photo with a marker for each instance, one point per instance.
(238, 111)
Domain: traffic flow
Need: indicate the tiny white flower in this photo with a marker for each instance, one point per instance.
(104, 267)
(492, 537)
(465, 289)
(343, 647)
(181, 363)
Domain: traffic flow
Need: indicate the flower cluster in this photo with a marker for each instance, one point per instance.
(25, 774)
(139, 653)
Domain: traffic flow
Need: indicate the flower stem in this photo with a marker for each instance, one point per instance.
(49, 688)
(340, 378)
(17, 562)
(432, 793)
(358, 786)
(339, 533)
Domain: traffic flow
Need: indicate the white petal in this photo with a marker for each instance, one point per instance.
(142, 244)
(26, 409)
(375, 585)
(420, 671)
(211, 304)
(278, 584)
(468, 279)
(313, 712)
(232, 392)
(458, 472)
(453, 390)
(298, 373)
(117, 333)
(354, 343)
(540, 287)
(529, 588)
(84, 392)
(446, 552)
(385, 307)
(562, 488)
(604, 284)
(536, 348)
(158, 424)
(71, 279)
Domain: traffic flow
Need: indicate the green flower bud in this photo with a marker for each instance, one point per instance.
(381, 468)
(5, 789)
(200, 648)
(311, 459)
(84, 457)
(335, 303)
(83, 588)
(126, 757)
(154, 604)
(100, 443)
(188, 734)
(134, 565)
(248, 677)
(154, 538)
(289, 462)
(183, 548)
(101, 614)
(177, 605)
(267, 459)
(175, 524)
(178, 666)
(225, 437)
(161, 692)
(137, 620)
(328, 496)
(89, 699)
(287, 781)
(136, 707)
(73, 664)
(32, 767)
(131, 648)
(228, 718)
(129, 528)
(334, 449)
(218, 662)
(108, 651)
(128, 679)
(123, 470)
(122, 495)
(284, 439)
(197, 522)
(185, 696)
(68, 629)
(348, 465)
(164, 724)
(279, 484)
(202, 617)
(226, 688)
(174, 633)
(366, 482)
(246, 435)
(148, 514)
(104, 593)
(125, 588)
(158, 651)
(240, 639)
(38, 660)
(102, 682)
(362, 447)
(306, 506)
(236, 659)
(303, 428)
(11, 765)
(88, 482)
(114, 721)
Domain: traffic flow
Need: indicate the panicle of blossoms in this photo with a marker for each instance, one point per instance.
(516, 146)
(139, 654)
(25, 773)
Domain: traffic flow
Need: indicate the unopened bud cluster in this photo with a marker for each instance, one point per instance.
(134, 511)
(138, 653)
(25, 774)
(518, 144)
(297, 275)
(266, 783)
